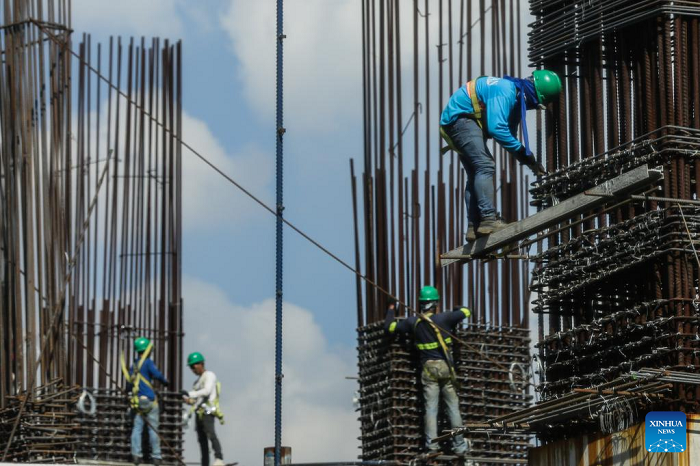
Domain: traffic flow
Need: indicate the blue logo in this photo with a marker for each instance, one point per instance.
(665, 432)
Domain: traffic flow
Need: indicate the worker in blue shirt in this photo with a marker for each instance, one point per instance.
(492, 107)
(144, 404)
(431, 332)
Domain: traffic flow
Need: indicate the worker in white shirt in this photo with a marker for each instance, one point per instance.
(204, 398)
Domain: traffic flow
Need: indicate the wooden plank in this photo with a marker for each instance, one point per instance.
(626, 183)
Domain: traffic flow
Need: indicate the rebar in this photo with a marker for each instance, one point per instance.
(54, 429)
(618, 296)
(401, 252)
(88, 263)
(391, 401)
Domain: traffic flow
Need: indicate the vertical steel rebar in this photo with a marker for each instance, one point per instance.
(279, 231)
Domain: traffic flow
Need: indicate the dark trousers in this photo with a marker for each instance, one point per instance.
(206, 434)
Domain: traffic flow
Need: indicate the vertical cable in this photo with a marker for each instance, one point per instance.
(279, 244)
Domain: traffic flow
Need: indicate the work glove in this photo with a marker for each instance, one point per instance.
(185, 393)
(529, 161)
(522, 156)
(536, 167)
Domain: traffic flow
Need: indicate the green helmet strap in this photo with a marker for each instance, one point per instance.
(428, 305)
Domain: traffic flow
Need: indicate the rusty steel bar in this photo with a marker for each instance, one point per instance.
(66, 231)
(432, 195)
(633, 61)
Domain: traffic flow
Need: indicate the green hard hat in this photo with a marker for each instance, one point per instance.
(194, 358)
(429, 293)
(140, 344)
(547, 85)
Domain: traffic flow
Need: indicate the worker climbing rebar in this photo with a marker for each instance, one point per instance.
(489, 107)
(204, 398)
(143, 401)
(438, 375)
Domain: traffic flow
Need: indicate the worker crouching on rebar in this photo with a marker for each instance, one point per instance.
(431, 332)
(144, 404)
(492, 107)
(204, 398)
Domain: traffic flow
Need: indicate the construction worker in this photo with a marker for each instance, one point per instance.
(492, 107)
(144, 404)
(431, 334)
(204, 398)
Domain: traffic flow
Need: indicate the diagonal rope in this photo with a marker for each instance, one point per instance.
(257, 200)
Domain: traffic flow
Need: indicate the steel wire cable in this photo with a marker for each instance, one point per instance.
(248, 193)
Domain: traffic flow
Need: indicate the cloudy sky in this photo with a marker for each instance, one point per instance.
(229, 242)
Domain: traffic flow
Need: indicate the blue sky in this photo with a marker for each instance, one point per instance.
(229, 242)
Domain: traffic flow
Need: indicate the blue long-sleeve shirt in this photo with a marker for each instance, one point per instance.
(502, 114)
(423, 333)
(150, 372)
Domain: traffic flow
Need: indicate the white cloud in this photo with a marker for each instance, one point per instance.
(319, 421)
(129, 17)
(322, 57)
(208, 200)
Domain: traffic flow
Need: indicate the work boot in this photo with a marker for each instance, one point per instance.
(471, 233)
(490, 225)
(157, 461)
(137, 460)
(218, 462)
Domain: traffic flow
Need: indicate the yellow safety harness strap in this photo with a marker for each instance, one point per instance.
(477, 116)
(216, 411)
(136, 378)
(450, 145)
(478, 106)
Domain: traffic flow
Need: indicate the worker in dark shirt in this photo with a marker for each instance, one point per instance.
(431, 333)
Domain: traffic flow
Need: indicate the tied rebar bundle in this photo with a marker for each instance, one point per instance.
(657, 148)
(90, 219)
(90, 202)
(391, 400)
(617, 287)
(408, 207)
(54, 429)
(565, 24)
(600, 254)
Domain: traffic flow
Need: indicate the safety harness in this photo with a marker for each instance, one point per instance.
(136, 379)
(203, 407)
(442, 342)
(478, 116)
